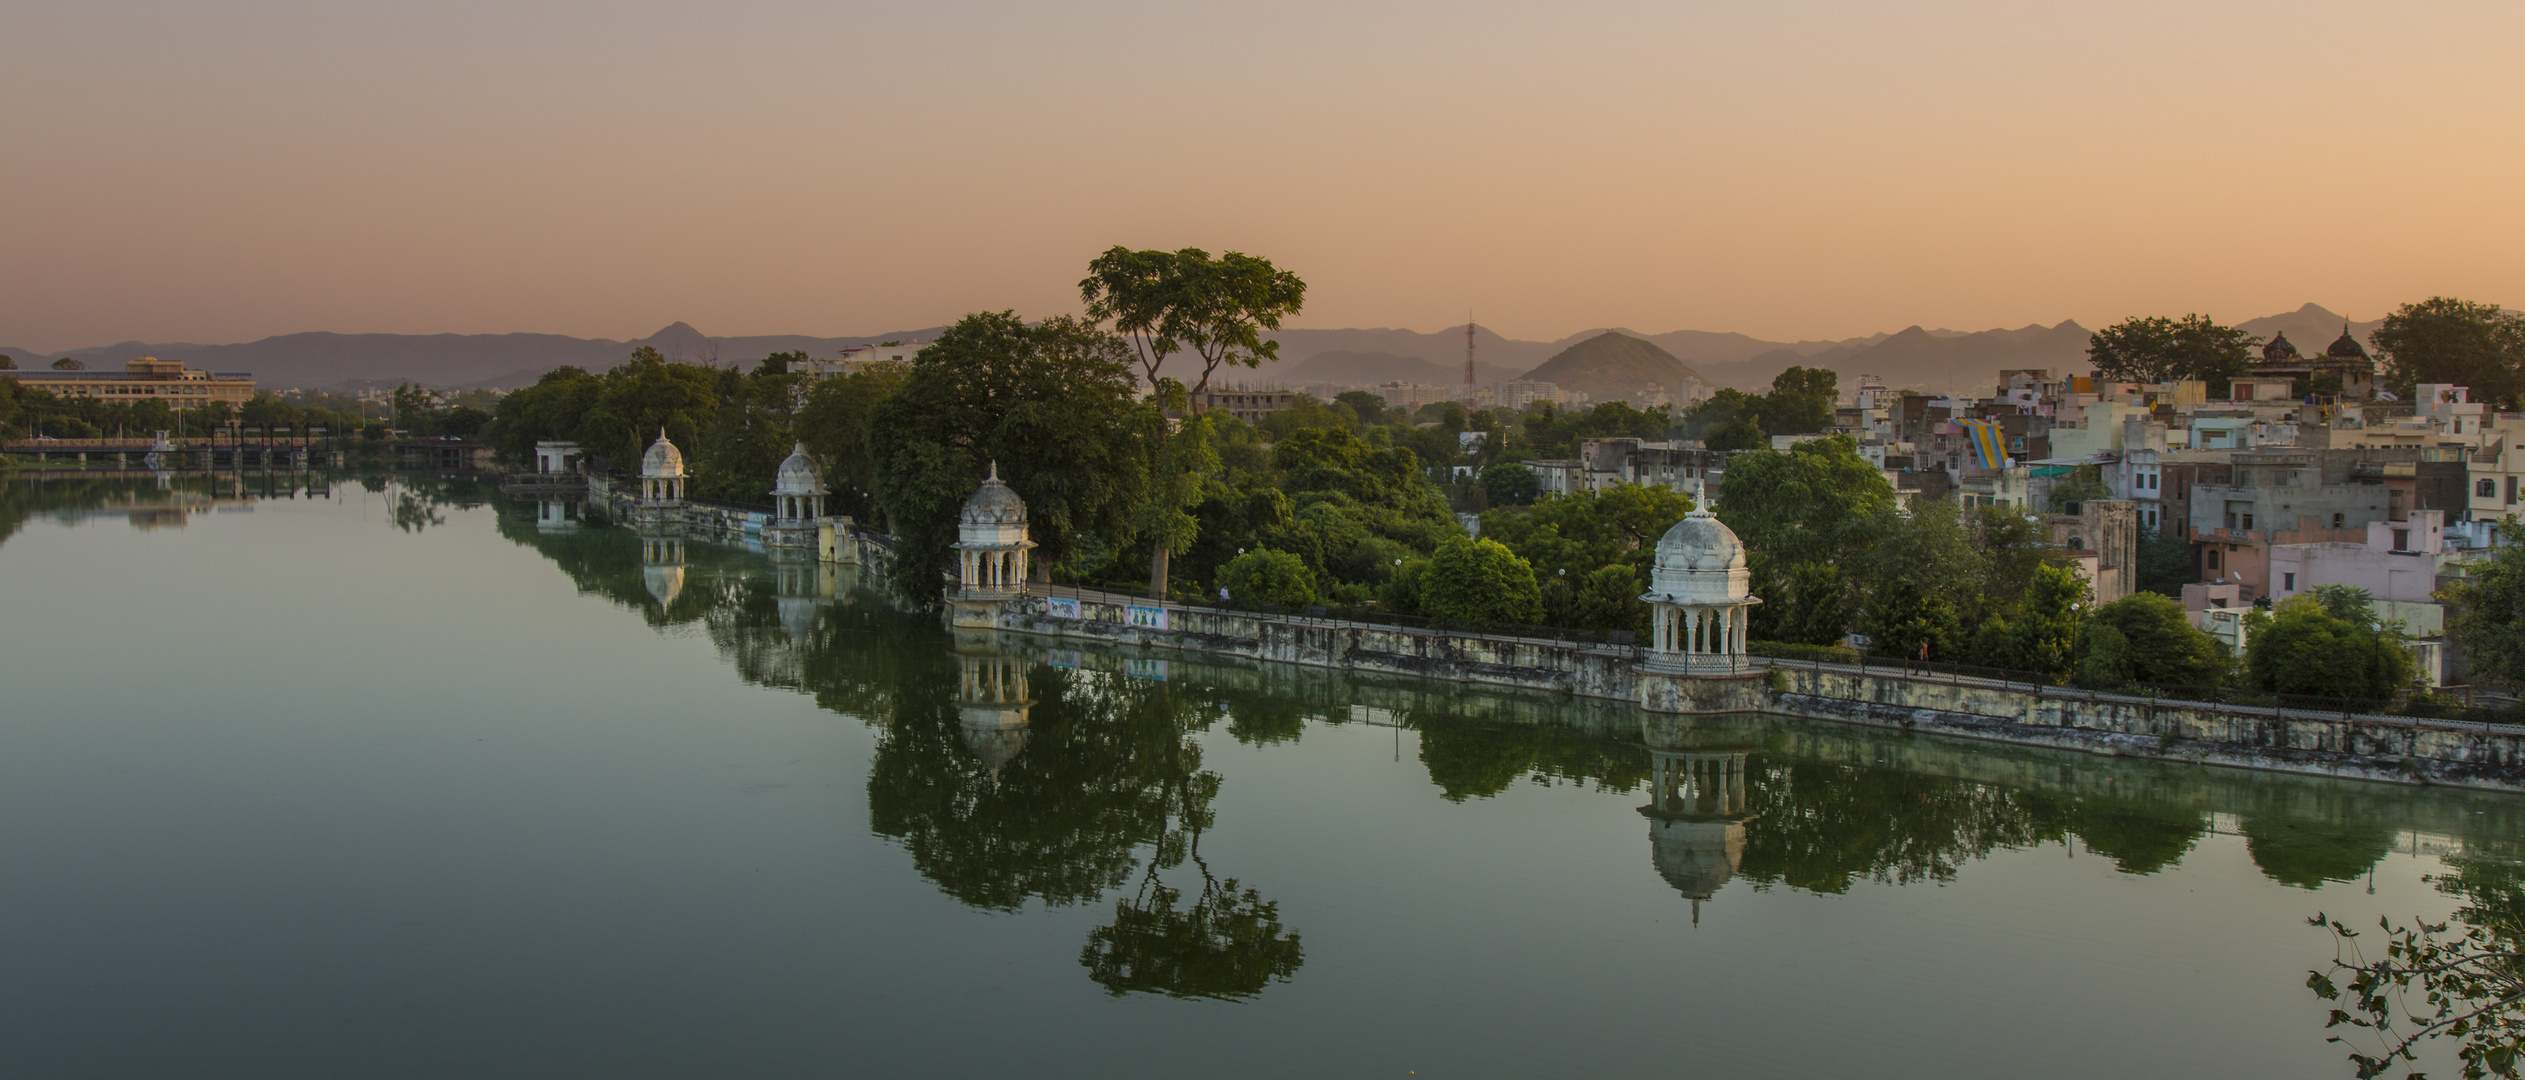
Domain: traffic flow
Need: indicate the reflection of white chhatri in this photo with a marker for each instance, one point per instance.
(991, 705)
(991, 554)
(1701, 596)
(1697, 814)
(662, 567)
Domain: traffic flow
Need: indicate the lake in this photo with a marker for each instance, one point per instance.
(390, 777)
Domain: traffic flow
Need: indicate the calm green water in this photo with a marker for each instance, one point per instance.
(390, 780)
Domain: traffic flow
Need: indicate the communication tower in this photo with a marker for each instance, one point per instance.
(1468, 348)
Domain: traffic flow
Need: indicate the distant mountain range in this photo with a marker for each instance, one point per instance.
(1931, 360)
(450, 361)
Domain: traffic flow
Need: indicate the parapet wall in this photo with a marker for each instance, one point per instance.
(2402, 750)
(2359, 747)
(1567, 667)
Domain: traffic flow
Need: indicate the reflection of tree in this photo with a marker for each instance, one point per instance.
(1473, 760)
(1824, 826)
(2294, 851)
(1109, 780)
(418, 497)
(1227, 945)
(2140, 838)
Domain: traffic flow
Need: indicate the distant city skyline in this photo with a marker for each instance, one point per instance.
(1805, 171)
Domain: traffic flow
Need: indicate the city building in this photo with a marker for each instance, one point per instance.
(1248, 405)
(1413, 397)
(144, 378)
(2102, 535)
(2398, 564)
(1605, 463)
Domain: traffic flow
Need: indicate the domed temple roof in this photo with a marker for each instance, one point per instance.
(2280, 350)
(995, 504)
(798, 475)
(2346, 347)
(663, 461)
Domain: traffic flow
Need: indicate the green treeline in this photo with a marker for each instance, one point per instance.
(1130, 484)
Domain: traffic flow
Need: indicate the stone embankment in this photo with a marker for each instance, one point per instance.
(2393, 749)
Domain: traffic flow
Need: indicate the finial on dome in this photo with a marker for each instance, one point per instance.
(994, 471)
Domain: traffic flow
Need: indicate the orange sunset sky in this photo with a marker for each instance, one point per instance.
(224, 171)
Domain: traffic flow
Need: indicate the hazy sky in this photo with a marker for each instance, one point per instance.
(224, 171)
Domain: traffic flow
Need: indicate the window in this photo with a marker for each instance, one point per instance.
(2288, 583)
(2336, 521)
(2211, 556)
(2487, 488)
(2402, 539)
(2511, 491)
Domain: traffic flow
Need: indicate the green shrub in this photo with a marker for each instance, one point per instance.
(1268, 577)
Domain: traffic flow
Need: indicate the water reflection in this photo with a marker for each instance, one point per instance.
(153, 501)
(1016, 771)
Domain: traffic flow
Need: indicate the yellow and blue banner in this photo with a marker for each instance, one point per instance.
(1989, 442)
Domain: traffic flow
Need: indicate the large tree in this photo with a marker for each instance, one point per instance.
(1051, 404)
(2155, 349)
(834, 423)
(2445, 340)
(1801, 401)
(2306, 649)
(1808, 516)
(1212, 310)
(2485, 611)
(2145, 638)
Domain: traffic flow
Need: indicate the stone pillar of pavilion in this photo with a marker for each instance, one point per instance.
(991, 554)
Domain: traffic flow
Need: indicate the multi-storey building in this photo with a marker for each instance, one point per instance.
(144, 378)
(1245, 404)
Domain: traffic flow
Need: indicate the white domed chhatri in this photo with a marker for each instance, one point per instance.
(1701, 595)
(798, 489)
(991, 551)
(662, 471)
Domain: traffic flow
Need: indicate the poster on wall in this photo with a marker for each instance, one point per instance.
(1059, 608)
(1152, 618)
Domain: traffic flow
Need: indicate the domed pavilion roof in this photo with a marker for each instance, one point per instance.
(2346, 347)
(2280, 350)
(663, 461)
(1700, 560)
(995, 504)
(798, 475)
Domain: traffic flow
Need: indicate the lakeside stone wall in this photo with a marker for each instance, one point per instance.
(1561, 667)
(2355, 747)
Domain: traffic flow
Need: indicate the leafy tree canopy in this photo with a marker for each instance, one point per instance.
(2153, 349)
(2446, 340)
(1473, 581)
(1052, 404)
(2485, 611)
(1268, 577)
(1806, 516)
